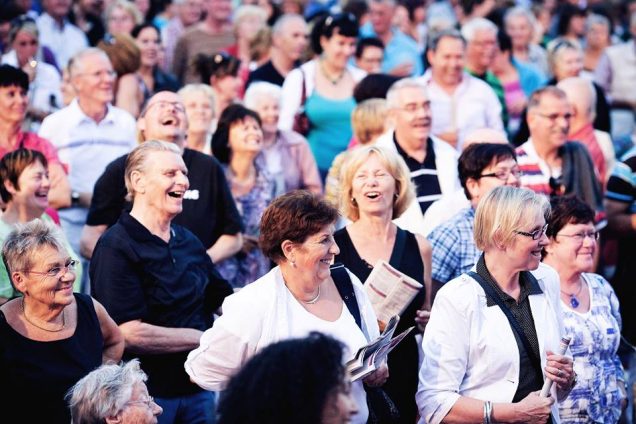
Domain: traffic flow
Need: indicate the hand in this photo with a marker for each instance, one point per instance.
(249, 243)
(377, 377)
(421, 319)
(560, 369)
(534, 408)
(402, 70)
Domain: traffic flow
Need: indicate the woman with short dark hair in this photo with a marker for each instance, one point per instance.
(300, 295)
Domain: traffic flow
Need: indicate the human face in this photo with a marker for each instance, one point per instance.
(569, 251)
(598, 36)
(412, 117)
(381, 16)
(447, 62)
(219, 10)
(143, 6)
(341, 406)
(569, 63)
(549, 123)
(338, 49)
(249, 27)
(190, 11)
(13, 104)
(315, 255)
(120, 22)
(519, 30)
(373, 188)
(246, 137)
(200, 112)
(140, 409)
(227, 87)
(58, 9)
(293, 39)
(164, 118)
(95, 80)
(524, 253)
(33, 192)
(268, 110)
(161, 184)
(577, 25)
(481, 50)
(148, 43)
(25, 46)
(507, 169)
(41, 288)
(371, 60)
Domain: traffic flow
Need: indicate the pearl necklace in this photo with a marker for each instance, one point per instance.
(42, 328)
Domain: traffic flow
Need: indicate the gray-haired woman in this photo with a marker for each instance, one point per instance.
(50, 337)
(114, 393)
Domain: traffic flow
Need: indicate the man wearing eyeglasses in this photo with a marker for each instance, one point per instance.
(550, 164)
(89, 133)
(482, 167)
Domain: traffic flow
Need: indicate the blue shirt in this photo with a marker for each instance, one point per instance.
(454, 250)
(401, 48)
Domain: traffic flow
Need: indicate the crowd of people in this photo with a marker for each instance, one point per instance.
(195, 192)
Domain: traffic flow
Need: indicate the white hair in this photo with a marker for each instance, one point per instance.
(392, 96)
(470, 28)
(523, 12)
(281, 22)
(581, 95)
(258, 90)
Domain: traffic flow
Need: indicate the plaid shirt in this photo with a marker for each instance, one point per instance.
(454, 250)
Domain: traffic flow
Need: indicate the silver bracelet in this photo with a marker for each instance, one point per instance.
(487, 412)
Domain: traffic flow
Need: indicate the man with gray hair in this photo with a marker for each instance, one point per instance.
(402, 56)
(113, 393)
(460, 102)
(582, 98)
(289, 43)
(433, 163)
(89, 133)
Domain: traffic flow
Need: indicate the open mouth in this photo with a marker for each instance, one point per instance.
(536, 253)
(176, 194)
(42, 194)
(372, 195)
(326, 261)
(169, 120)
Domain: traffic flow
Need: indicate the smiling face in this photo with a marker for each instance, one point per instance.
(13, 104)
(120, 21)
(573, 254)
(482, 186)
(519, 30)
(94, 80)
(315, 255)
(338, 49)
(371, 59)
(412, 116)
(268, 110)
(53, 291)
(33, 192)
(381, 16)
(447, 62)
(568, 63)
(292, 39)
(549, 122)
(481, 50)
(140, 409)
(25, 46)
(161, 184)
(164, 118)
(149, 44)
(199, 110)
(373, 187)
(190, 11)
(246, 137)
(524, 253)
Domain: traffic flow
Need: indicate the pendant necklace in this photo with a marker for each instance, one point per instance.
(574, 301)
(333, 81)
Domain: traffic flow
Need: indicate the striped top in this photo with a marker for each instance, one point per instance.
(535, 173)
(423, 175)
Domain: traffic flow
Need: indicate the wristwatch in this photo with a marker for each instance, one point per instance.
(75, 198)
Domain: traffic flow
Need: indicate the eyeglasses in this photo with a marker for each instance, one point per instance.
(579, 237)
(552, 117)
(148, 401)
(57, 271)
(536, 234)
(164, 105)
(100, 74)
(504, 174)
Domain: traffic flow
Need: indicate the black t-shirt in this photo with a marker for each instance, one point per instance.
(267, 73)
(138, 276)
(209, 210)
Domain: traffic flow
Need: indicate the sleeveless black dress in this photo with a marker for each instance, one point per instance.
(36, 375)
(403, 360)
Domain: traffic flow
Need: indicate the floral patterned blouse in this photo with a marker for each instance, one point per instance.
(244, 268)
(595, 335)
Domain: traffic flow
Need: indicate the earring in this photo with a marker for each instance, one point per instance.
(353, 201)
(292, 262)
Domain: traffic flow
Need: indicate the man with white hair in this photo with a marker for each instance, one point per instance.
(433, 163)
(582, 98)
(481, 49)
(89, 133)
(289, 42)
(460, 102)
(401, 53)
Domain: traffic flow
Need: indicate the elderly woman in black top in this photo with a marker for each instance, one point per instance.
(157, 281)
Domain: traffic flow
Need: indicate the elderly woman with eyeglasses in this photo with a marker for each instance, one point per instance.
(113, 394)
(590, 314)
(493, 331)
(50, 337)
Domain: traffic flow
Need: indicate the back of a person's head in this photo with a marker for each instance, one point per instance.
(287, 382)
(373, 86)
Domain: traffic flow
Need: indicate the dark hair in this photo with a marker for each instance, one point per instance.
(357, 8)
(567, 12)
(344, 24)
(11, 76)
(287, 382)
(13, 164)
(411, 6)
(568, 209)
(221, 138)
(218, 65)
(123, 53)
(365, 42)
(140, 27)
(476, 157)
(437, 37)
(505, 42)
(294, 216)
(373, 86)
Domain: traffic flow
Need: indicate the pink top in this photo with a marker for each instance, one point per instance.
(32, 141)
